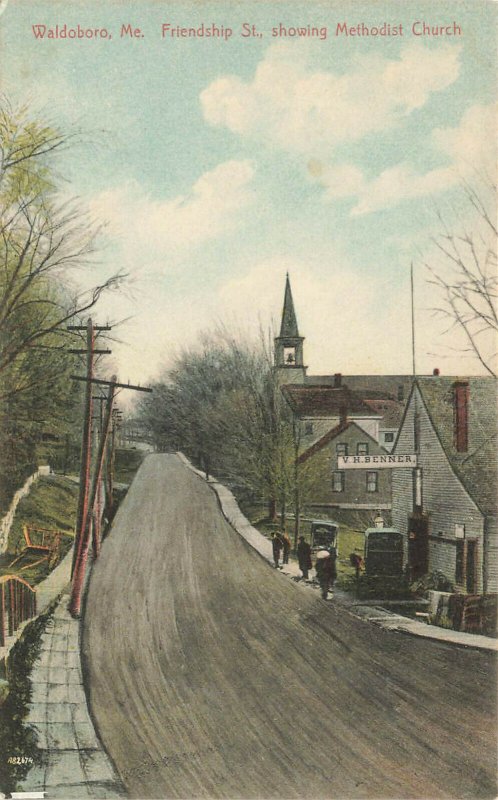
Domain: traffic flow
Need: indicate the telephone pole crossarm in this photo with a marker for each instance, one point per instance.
(84, 327)
(95, 351)
(111, 383)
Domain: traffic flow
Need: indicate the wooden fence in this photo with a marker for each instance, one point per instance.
(470, 613)
(17, 604)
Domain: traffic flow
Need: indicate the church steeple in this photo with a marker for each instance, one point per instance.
(289, 345)
(288, 328)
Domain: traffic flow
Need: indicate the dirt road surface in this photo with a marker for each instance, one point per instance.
(213, 676)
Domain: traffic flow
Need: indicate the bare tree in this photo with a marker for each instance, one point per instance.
(467, 278)
(45, 243)
(42, 242)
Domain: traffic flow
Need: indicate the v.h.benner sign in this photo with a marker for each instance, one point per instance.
(376, 462)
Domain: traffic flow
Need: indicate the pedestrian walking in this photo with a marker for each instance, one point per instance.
(326, 570)
(277, 545)
(304, 557)
(356, 561)
(286, 544)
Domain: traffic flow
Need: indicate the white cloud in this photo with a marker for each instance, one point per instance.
(356, 324)
(300, 110)
(467, 149)
(156, 230)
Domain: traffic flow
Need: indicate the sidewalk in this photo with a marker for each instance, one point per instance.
(370, 613)
(74, 764)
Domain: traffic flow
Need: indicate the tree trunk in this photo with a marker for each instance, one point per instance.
(283, 513)
(272, 509)
(297, 510)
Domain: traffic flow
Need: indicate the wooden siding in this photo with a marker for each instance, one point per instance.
(355, 494)
(444, 499)
(491, 553)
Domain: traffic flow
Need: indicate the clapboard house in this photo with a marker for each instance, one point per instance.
(359, 489)
(446, 507)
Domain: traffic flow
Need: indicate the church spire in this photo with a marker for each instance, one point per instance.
(289, 345)
(289, 321)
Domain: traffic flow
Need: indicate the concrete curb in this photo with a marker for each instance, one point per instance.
(378, 616)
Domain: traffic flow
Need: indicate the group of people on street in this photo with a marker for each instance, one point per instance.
(325, 565)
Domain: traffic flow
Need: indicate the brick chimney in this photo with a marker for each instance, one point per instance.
(461, 415)
(435, 371)
(337, 380)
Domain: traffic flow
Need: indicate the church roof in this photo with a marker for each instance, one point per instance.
(288, 328)
(373, 387)
(325, 401)
(391, 411)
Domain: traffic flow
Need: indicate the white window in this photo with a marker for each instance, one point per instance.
(372, 481)
(338, 481)
(362, 449)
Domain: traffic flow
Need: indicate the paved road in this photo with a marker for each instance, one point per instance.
(213, 676)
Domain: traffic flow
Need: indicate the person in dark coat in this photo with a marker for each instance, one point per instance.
(286, 544)
(304, 557)
(356, 561)
(277, 545)
(326, 570)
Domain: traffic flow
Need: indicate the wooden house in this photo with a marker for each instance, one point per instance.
(447, 507)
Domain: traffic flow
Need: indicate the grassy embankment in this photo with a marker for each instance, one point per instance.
(126, 464)
(52, 504)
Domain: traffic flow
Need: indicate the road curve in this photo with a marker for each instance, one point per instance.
(212, 676)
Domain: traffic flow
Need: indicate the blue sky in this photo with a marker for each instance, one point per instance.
(218, 165)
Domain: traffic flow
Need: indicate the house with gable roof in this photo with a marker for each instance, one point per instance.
(368, 489)
(447, 507)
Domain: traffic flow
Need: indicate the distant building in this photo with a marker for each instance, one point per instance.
(368, 409)
(447, 507)
(381, 397)
(320, 408)
(362, 489)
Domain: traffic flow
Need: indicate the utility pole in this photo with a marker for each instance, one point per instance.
(86, 444)
(109, 471)
(82, 554)
(78, 576)
(97, 511)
